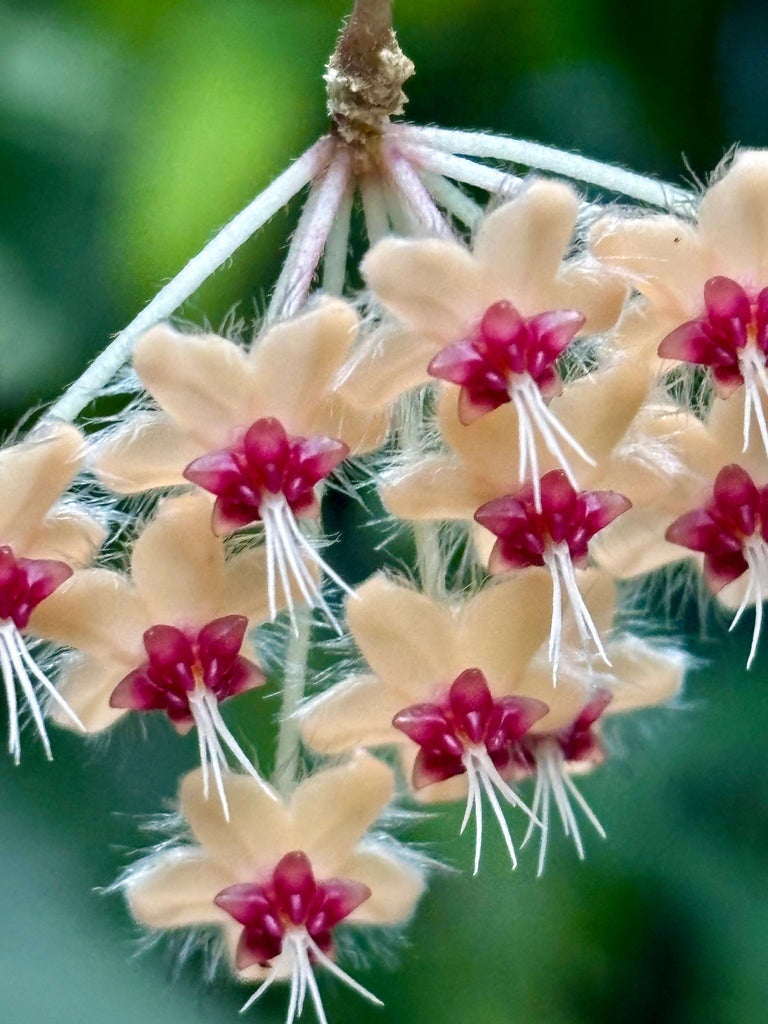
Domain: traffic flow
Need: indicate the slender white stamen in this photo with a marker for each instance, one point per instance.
(213, 735)
(189, 279)
(374, 208)
(483, 777)
(289, 550)
(756, 555)
(557, 559)
(532, 409)
(414, 197)
(753, 370)
(297, 945)
(554, 780)
(309, 238)
(451, 198)
(528, 454)
(546, 158)
(18, 667)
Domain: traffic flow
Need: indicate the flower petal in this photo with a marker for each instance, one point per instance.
(150, 450)
(86, 683)
(438, 488)
(33, 475)
(69, 535)
(389, 362)
(204, 383)
(645, 676)
(663, 257)
(257, 834)
(333, 809)
(733, 219)
(178, 563)
(521, 245)
(395, 887)
(407, 639)
(504, 625)
(431, 285)
(314, 346)
(98, 611)
(356, 713)
(177, 889)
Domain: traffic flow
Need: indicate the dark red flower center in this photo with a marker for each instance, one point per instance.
(526, 536)
(468, 718)
(24, 583)
(578, 742)
(180, 662)
(735, 517)
(290, 899)
(719, 338)
(266, 464)
(503, 347)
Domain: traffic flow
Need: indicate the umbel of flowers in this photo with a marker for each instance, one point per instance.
(519, 390)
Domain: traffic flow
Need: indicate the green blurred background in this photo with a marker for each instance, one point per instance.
(128, 132)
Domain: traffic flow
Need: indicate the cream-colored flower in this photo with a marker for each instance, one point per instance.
(493, 321)
(172, 636)
(705, 285)
(259, 429)
(278, 924)
(465, 692)
(440, 291)
(41, 540)
(482, 468)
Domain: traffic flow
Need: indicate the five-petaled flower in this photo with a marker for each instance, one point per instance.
(280, 875)
(259, 430)
(40, 543)
(171, 637)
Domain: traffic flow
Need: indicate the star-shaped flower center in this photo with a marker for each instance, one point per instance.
(731, 531)
(270, 477)
(288, 920)
(556, 535)
(502, 350)
(24, 584)
(186, 675)
(471, 731)
(731, 338)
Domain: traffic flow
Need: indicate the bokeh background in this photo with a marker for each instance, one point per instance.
(129, 130)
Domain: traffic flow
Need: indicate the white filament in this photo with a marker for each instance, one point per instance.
(294, 961)
(17, 666)
(483, 777)
(553, 779)
(557, 559)
(288, 552)
(212, 732)
(532, 411)
(752, 367)
(756, 554)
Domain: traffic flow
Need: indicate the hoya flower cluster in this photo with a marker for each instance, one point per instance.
(517, 384)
